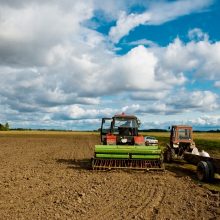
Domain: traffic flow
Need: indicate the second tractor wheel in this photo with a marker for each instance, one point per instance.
(203, 171)
(211, 171)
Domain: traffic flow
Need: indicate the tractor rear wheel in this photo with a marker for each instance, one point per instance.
(203, 171)
(211, 170)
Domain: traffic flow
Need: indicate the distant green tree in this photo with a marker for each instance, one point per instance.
(7, 126)
(1, 127)
(4, 127)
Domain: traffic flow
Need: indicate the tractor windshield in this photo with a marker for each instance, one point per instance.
(184, 134)
(120, 123)
(126, 122)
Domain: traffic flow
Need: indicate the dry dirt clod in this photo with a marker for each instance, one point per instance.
(79, 200)
(81, 194)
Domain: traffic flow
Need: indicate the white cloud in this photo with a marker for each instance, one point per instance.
(201, 58)
(143, 42)
(76, 112)
(206, 122)
(137, 71)
(202, 122)
(28, 33)
(149, 95)
(217, 84)
(176, 103)
(158, 13)
(112, 8)
(203, 101)
(125, 23)
(198, 35)
(169, 10)
(131, 109)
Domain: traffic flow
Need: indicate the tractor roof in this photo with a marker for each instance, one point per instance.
(123, 115)
(181, 126)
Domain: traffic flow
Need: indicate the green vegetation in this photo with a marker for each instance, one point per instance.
(211, 146)
(4, 127)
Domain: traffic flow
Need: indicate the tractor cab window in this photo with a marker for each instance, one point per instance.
(106, 125)
(124, 125)
(184, 134)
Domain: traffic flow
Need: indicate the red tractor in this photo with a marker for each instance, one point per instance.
(181, 140)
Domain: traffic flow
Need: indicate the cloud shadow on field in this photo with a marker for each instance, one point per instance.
(84, 164)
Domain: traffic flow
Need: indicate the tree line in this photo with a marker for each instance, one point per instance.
(4, 127)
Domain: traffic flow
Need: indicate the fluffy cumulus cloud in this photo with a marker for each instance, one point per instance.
(76, 112)
(203, 101)
(203, 122)
(199, 57)
(206, 121)
(57, 71)
(29, 32)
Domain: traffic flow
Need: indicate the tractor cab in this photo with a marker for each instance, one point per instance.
(121, 127)
(181, 140)
(181, 134)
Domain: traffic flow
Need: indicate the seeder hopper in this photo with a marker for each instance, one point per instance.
(123, 147)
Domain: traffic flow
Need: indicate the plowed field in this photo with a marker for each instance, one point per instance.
(46, 176)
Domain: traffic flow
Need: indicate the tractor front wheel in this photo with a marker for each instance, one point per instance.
(168, 155)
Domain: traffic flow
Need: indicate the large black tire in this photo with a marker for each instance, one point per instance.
(211, 170)
(203, 172)
(168, 155)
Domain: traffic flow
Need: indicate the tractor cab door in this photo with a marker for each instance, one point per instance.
(173, 135)
(105, 128)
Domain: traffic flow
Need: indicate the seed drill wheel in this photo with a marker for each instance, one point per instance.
(205, 171)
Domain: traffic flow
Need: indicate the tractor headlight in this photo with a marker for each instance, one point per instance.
(124, 140)
(176, 145)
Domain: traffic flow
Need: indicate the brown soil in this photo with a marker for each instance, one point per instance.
(45, 176)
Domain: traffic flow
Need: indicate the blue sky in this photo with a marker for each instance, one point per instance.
(65, 65)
